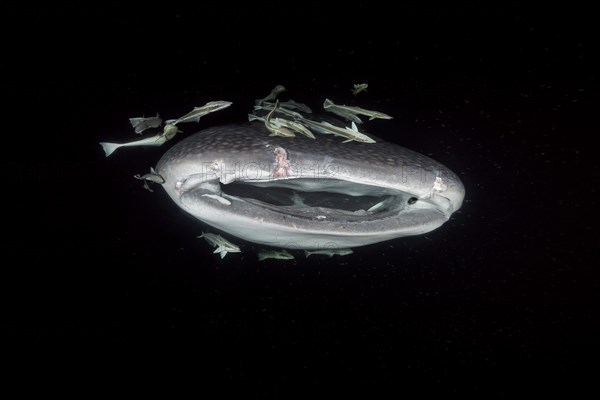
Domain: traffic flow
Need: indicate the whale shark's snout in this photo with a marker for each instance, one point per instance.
(307, 194)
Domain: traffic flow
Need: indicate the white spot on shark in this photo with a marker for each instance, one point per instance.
(439, 185)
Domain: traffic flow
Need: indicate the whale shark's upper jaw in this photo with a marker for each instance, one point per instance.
(299, 193)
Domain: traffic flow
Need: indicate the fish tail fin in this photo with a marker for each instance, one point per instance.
(328, 103)
(109, 148)
(307, 253)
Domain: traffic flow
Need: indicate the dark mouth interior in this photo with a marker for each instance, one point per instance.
(328, 194)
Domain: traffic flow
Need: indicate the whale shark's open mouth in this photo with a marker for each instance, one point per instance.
(320, 198)
(308, 213)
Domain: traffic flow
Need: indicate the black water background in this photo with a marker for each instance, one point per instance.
(497, 301)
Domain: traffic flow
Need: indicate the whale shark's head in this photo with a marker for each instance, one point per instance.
(304, 193)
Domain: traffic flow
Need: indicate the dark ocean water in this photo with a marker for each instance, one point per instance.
(500, 300)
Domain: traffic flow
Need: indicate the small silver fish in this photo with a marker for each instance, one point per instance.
(168, 133)
(281, 122)
(155, 140)
(254, 117)
(329, 106)
(345, 114)
(352, 134)
(151, 177)
(223, 246)
(272, 96)
(293, 126)
(359, 87)
(274, 129)
(141, 124)
(329, 252)
(274, 254)
(284, 111)
(290, 105)
(198, 112)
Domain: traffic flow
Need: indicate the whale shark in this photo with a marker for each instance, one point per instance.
(301, 193)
